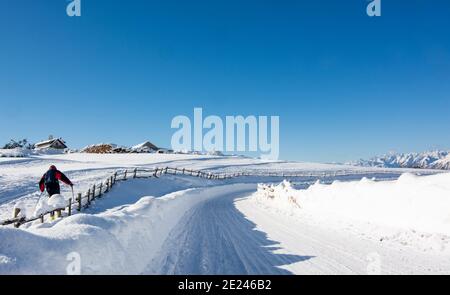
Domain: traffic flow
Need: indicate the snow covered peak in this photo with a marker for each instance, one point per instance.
(425, 160)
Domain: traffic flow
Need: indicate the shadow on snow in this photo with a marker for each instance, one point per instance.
(216, 238)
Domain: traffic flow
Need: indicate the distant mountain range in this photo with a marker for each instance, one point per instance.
(425, 160)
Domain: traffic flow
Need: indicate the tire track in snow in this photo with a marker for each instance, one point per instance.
(229, 234)
(216, 238)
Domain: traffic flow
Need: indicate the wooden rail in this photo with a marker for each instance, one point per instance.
(83, 201)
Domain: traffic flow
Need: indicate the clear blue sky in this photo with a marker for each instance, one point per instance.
(344, 85)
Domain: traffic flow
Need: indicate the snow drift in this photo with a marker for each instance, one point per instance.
(15, 153)
(412, 202)
(123, 240)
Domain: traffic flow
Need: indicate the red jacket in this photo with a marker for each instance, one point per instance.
(59, 175)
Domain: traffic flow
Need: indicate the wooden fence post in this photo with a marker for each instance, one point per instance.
(165, 172)
(155, 174)
(125, 176)
(70, 207)
(93, 192)
(101, 188)
(115, 177)
(107, 185)
(16, 212)
(134, 172)
(88, 198)
(79, 201)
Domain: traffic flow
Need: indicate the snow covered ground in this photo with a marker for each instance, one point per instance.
(186, 225)
(19, 176)
(405, 222)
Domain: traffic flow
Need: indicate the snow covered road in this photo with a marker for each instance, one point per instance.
(216, 238)
(230, 234)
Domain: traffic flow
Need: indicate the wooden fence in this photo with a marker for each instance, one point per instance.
(84, 200)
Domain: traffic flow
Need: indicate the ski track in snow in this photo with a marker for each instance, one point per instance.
(216, 238)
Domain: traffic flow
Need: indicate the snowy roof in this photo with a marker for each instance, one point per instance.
(52, 143)
(146, 144)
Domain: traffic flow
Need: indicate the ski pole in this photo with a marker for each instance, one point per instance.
(38, 201)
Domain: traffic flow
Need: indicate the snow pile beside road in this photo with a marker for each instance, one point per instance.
(15, 153)
(123, 240)
(281, 197)
(420, 203)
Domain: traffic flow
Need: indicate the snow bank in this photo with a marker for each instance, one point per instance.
(41, 207)
(282, 196)
(23, 152)
(57, 202)
(15, 153)
(412, 202)
(123, 240)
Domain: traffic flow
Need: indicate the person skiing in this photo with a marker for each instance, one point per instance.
(50, 181)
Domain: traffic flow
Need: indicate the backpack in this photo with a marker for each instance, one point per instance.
(50, 177)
